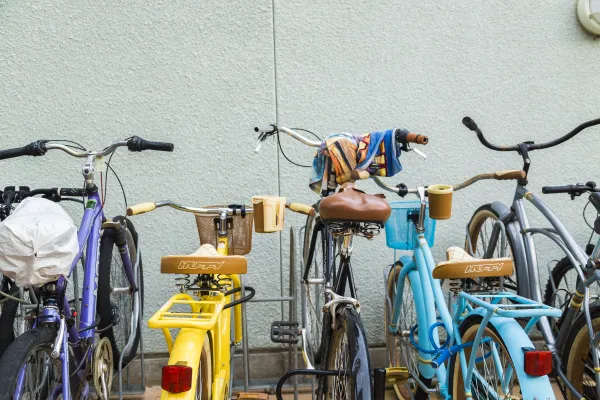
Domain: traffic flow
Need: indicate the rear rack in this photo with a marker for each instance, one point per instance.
(517, 306)
(203, 313)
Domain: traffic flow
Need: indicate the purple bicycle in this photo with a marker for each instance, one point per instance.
(66, 352)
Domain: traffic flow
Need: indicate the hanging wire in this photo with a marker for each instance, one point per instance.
(587, 223)
(285, 155)
(118, 180)
(77, 146)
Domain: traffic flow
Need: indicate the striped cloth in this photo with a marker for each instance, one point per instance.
(341, 153)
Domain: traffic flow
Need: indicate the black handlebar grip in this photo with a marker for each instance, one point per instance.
(33, 149)
(561, 189)
(136, 143)
(469, 123)
(74, 192)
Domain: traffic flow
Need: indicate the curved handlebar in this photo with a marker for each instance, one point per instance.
(40, 147)
(232, 209)
(471, 125)
(575, 190)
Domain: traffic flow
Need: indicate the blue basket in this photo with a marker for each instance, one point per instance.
(400, 231)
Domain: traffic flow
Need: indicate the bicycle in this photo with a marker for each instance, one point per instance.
(334, 343)
(563, 277)
(479, 351)
(65, 348)
(19, 304)
(511, 231)
(200, 363)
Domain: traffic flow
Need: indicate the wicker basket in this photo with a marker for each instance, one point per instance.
(240, 235)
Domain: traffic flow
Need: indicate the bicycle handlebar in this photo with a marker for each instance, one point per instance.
(402, 190)
(40, 147)
(529, 146)
(142, 208)
(574, 190)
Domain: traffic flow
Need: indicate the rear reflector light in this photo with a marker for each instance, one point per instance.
(538, 362)
(176, 378)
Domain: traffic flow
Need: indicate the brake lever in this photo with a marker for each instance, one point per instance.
(407, 148)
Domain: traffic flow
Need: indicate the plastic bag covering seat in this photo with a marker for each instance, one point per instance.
(38, 243)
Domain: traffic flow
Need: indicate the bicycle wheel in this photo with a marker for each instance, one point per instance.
(205, 372)
(112, 298)
(562, 283)
(480, 229)
(348, 351)
(30, 352)
(577, 358)
(401, 353)
(313, 295)
(487, 380)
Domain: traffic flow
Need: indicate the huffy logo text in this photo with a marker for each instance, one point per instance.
(472, 269)
(201, 265)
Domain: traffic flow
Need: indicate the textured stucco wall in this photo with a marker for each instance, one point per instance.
(202, 74)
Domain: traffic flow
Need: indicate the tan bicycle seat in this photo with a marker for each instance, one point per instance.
(353, 205)
(205, 260)
(461, 265)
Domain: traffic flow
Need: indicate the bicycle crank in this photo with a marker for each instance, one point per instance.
(102, 368)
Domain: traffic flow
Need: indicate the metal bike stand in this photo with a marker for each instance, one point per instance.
(136, 321)
(291, 299)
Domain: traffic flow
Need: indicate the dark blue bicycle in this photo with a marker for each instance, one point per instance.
(68, 351)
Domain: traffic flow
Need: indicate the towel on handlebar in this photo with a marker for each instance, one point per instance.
(341, 153)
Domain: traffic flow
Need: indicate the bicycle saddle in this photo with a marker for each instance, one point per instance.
(205, 260)
(352, 205)
(460, 265)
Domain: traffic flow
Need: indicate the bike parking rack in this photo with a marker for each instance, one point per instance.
(291, 298)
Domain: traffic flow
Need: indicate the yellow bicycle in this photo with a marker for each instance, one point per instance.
(200, 356)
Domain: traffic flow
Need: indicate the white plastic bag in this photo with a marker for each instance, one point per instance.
(38, 243)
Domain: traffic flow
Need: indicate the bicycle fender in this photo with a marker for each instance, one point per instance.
(513, 230)
(515, 339)
(187, 350)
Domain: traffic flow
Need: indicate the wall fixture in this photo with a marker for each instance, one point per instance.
(588, 12)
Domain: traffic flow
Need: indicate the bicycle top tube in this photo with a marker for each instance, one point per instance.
(232, 209)
(402, 190)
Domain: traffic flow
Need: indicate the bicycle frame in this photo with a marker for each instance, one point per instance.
(526, 264)
(89, 236)
(209, 319)
(429, 302)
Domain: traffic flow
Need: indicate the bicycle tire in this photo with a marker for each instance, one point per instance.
(8, 315)
(576, 354)
(205, 371)
(477, 223)
(104, 307)
(468, 330)
(399, 353)
(348, 350)
(17, 355)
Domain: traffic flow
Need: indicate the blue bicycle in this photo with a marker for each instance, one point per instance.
(473, 349)
(76, 343)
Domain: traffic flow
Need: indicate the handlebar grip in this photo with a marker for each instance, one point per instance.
(512, 174)
(140, 208)
(136, 143)
(403, 136)
(74, 192)
(559, 189)
(469, 123)
(301, 208)
(33, 149)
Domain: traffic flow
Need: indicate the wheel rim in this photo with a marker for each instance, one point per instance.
(204, 383)
(121, 298)
(313, 298)
(486, 382)
(480, 230)
(41, 373)
(401, 353)
(340, 387)
(580, 367)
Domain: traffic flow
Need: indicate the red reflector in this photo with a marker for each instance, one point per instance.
(538, 363)
(176, 378)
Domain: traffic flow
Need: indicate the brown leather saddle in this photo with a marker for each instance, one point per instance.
(352, 205)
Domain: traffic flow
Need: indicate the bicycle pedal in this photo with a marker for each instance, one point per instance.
(284, 332)
(252, 396)
(396, 375)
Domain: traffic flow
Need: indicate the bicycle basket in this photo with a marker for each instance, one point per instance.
(239, 232)
(400, 231)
